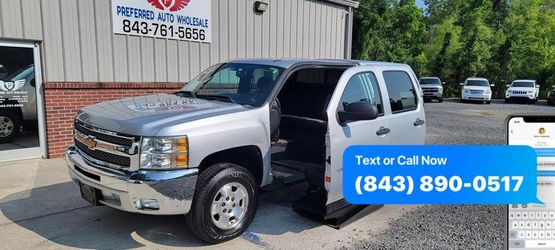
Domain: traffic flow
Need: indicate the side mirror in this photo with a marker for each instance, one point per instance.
(553, 86)
(508, 85)
(442, 83)
(358, 111)
(492, 85)
(537, 85)
(461, 84)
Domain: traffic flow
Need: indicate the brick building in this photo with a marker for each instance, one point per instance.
(57, 56)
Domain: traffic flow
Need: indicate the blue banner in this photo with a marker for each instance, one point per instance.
(440, 175)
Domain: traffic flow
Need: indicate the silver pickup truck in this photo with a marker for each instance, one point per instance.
(238, 128)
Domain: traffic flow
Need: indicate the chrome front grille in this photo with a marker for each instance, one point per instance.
(105, 148)
(430, 89)
(473, 91)
(519, 92)
(122, 161)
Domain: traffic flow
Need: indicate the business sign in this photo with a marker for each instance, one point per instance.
(13, 94)
(173, 19)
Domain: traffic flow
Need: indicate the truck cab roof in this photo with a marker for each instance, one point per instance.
(288, 63)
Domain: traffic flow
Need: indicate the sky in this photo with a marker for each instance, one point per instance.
(420, 3)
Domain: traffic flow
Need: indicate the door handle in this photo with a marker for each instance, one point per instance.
(383, 131)
(418, 122)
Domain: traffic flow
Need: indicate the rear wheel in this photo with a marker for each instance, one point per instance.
(225, 202)
(10, 124)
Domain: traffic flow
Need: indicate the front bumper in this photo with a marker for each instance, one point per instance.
(173, 190)
(477, 97)
(529, 97)
(430, 95)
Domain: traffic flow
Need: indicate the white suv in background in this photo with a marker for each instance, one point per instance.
(476, 89)
(523, 90)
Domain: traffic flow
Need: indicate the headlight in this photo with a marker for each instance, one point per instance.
(164, 153)
(530, 92)
(466, 91)
(509, 92)
(488, 91)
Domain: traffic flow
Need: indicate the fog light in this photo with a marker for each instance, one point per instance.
(147, 204)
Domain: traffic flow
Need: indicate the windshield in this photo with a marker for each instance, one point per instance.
(430, 81)
(21, 74)
(481, 83)
(247, 84)
(523, 84)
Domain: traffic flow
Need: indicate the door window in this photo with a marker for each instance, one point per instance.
(18, 102)
(402, 95)
(362, 87)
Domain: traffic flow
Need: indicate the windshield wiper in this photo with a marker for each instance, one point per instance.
(190, 93)
(216, 97)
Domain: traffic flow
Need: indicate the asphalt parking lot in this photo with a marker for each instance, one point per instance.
(41, 207)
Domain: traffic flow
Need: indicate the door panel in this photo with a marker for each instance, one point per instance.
(356, 84)
(407, 119)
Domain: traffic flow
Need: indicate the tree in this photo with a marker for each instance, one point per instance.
(501, 40)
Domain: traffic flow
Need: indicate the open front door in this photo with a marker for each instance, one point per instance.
(358, 84)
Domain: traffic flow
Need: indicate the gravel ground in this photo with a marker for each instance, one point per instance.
(455, 226)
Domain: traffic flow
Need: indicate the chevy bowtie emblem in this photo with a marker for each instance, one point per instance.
(90, 142)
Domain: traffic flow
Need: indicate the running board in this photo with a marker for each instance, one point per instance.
(336, 215)
(349, 214)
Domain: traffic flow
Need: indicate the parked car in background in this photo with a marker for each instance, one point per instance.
(523, 90)
(432, 88)
(551, 96)
(18, 106)
(476, 89)
(3, 72)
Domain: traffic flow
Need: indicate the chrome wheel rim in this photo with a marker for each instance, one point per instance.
(6, 126)
(229, 205)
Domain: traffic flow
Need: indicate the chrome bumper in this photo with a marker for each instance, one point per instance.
(173, 190)
(484, 97)
(433, 94)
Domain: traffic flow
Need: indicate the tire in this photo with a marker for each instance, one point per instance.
(488, 102)
(10, 124)
(440, 100)
(507, 100)
(463, 101)
(210, 189)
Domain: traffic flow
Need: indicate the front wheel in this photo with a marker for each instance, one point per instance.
(10, 124)
(488, 102)
(225, 202)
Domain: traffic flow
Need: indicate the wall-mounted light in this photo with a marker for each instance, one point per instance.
(260, 6)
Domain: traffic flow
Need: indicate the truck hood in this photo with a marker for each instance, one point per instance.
(146, 115)
(430, 86)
